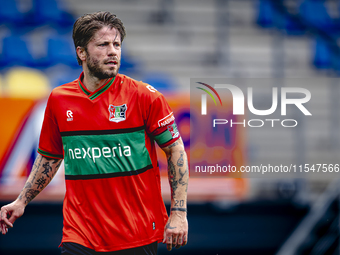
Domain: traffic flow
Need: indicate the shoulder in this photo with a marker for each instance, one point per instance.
(65, 89)
(59, 93)
(145, 91)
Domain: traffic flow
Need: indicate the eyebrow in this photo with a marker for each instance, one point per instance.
(107, 41)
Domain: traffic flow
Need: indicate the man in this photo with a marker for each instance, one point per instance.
(104, 125)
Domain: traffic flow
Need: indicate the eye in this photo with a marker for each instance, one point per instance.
(103, 44)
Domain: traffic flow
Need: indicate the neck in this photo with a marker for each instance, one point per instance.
(93, 83)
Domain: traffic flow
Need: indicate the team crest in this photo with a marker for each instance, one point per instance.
(173, 130)
(117, 113)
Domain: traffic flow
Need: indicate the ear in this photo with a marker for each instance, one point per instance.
(81, 53)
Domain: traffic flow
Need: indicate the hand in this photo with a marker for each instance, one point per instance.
(9, 214)
(176, 230)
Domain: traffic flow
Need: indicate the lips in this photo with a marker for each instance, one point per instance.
(111, 62)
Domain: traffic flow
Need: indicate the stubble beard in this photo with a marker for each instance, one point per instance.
(96, 71)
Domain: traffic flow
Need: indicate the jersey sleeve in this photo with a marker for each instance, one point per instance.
(50, 143)
(161, 123)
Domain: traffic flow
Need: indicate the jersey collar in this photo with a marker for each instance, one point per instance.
(97, 92)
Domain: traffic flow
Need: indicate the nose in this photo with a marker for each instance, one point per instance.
(112, 51)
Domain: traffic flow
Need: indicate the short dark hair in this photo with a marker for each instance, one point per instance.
(87, 25)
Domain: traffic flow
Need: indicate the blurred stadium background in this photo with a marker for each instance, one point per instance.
(168, 42)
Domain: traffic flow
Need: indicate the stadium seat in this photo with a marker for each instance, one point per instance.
(16, 52)
(336, 63)
(9, 13)
(27, 83)
(269, 16)
(293, 26)
(322, 54)
(314, 12)
(50, 12)
(61, 51)
(128, 64)
(266, 14)
(66, 54)
(160, 81)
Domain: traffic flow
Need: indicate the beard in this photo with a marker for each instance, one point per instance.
(98, 72)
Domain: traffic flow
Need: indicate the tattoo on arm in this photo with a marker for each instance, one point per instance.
(180, 161)
(36, 166)
(28, 185)
(173, 145)
(37, 163)
(182, 174)
(178, 172)
(172, 177)
(40, 182)
(42, 173)
(179, 203)
(179, 209)
(47, 169)
(57, 166)
(30, 194)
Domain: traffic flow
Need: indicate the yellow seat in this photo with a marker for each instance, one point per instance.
(27, 83)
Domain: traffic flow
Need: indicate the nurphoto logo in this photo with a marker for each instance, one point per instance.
(239, 103)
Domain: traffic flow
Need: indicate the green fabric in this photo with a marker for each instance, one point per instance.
(50, 154)
(103, 154)
(163, 137)
(98, 93)
(166, 136)
(84, 90)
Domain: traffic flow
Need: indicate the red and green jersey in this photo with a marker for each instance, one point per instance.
(113, 195)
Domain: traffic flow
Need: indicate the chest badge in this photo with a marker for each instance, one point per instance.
(117, 113)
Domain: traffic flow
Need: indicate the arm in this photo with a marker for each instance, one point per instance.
(176, 229)
(42, 173)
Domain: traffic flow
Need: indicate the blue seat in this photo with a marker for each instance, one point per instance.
(16, 52)
(127, 64)
(294, 26)
(61, 51)
(10, 14)
(314, 12)
(266, 14)
(336, 64)
(269, 17)
(160, 81)
(50, 12)
(322, 54)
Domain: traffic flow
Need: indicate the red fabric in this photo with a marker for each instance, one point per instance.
(50, 139)
(112, 213)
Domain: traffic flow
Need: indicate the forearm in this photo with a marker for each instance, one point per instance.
(176, 228)
(41, 175)
(178, 173)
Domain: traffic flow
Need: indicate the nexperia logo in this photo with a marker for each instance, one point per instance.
(239, 104)
(94, 153)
